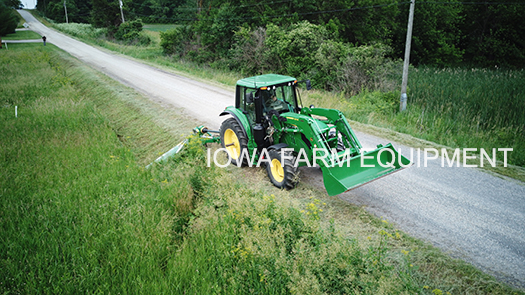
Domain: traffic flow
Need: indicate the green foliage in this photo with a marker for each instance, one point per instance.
(305, 50)
(294, 48)
(129, 32)
(493, 34)
(8, 19)
(436, 34)
(106, 14)
(445, 33)
(214, 32)
(367, 67)
(77, 10)
(483, 107)
(82, 30)
(177, 41)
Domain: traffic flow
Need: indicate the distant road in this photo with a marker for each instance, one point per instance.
(468, 213)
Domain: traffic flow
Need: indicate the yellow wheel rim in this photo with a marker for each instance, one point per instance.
(277, 170)
(231, 143)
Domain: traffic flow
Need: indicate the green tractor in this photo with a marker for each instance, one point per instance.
(268, 125)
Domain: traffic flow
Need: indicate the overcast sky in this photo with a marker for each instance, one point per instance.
(30, 4)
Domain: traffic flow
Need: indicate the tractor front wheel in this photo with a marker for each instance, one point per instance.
(234, 140)
(281, 170)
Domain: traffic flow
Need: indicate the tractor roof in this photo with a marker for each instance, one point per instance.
(264, 80)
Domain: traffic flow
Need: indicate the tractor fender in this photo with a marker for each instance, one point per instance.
(243, 121)
(277, 146)
(228, 112)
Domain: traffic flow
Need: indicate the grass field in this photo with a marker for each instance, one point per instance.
(22, 35)
(159, 27)
(80, 214)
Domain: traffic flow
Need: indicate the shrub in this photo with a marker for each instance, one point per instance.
(305, 50)
(130, 33)
(177, 41)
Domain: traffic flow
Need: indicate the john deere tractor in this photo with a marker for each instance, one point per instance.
(268, 125)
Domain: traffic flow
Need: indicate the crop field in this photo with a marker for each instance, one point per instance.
(80, 214)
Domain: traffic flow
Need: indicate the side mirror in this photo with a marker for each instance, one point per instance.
(308, 85)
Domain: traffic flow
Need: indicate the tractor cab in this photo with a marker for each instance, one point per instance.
(257, 96)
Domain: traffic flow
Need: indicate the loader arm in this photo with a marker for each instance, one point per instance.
(345, 164)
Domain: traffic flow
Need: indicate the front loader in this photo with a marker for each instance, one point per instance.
(268, 125)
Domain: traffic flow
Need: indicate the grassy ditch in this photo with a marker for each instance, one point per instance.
(80, 214)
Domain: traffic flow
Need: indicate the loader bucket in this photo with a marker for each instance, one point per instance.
(363, 168)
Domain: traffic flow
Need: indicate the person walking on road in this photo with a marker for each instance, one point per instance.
(44, 39)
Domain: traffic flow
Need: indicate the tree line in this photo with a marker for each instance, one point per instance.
(446, 32)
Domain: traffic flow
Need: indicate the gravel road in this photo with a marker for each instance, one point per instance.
(468, 213)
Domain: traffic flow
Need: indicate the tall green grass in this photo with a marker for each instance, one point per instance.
(81, 30)
(459, 108)
(469, 108)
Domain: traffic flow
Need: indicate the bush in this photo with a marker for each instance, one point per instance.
(130, 33)
(177, 41)
(368, 67)
(305, 50)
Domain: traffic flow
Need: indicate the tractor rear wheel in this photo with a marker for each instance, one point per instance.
(234, 140)
(282, 171)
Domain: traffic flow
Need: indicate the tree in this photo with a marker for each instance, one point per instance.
(106, 14)
(494, 33)
(78, 10)
(8, 19)
(436, 34)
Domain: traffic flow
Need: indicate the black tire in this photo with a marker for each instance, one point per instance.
(233, 139)
(282, 176)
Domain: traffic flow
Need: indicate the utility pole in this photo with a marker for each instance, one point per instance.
(65, 9)
(121, 13)
(403, 101)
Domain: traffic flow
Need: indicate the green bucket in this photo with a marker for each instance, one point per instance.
(361, 169)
